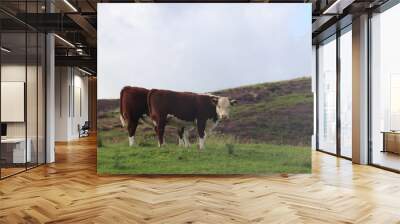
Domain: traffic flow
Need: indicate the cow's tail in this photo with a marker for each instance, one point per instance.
(123, 123)
(121, 108)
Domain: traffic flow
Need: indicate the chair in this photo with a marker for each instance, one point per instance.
(84, 130)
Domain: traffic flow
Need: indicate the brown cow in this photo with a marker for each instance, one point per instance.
(185, 109)
(133, 107)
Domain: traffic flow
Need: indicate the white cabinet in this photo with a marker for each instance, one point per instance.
(18, 149)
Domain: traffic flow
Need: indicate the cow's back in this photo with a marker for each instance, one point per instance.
(183, 105)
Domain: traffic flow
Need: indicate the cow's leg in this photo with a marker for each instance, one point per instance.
(132, 125)
(186, 137)
(160, 131)
(201, 126)
(181, 132)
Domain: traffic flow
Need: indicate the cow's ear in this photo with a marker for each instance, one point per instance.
(214, 100)
(233, 102)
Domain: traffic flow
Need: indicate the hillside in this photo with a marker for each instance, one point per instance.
(276, 112)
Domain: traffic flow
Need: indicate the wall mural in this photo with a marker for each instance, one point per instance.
(204, 88)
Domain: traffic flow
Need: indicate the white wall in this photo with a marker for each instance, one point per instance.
(11, 73)
(71, 94)
(61, 103)
(80, 110)
(33, 127)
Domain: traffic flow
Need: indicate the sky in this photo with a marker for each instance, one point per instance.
(200, 47)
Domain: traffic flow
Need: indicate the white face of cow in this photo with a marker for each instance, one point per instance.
(223, 106)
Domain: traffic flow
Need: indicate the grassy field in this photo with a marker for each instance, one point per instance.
(268, 132)
(279, 113)
(221, 156)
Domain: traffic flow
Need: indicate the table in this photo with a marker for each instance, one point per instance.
(13, 150)
(391, 141)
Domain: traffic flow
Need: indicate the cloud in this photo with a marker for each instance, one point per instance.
(201, 47)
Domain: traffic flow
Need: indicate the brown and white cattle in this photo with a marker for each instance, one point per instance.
(184, 110)
(133, 107)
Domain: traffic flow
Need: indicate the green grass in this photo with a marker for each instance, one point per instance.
(272, 124)
(221, 156)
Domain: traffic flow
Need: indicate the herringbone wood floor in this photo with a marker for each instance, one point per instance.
(70, 191)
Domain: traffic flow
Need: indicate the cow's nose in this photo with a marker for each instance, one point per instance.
(224, 117)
